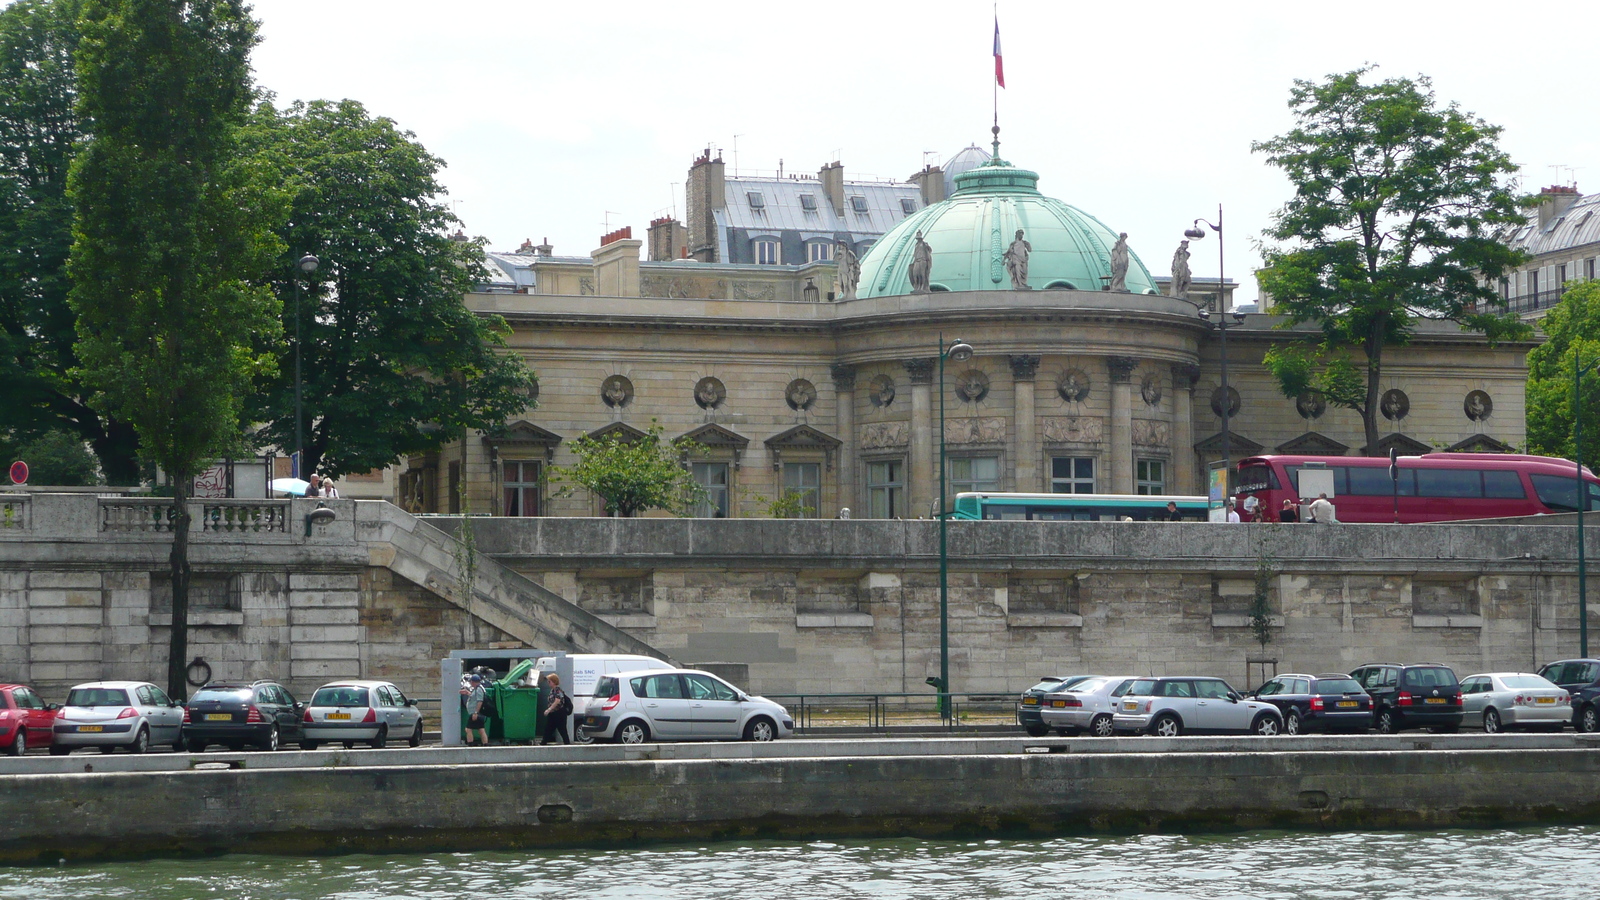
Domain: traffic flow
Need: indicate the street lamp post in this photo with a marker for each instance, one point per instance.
(1195, 233)
(957, 351)
(307, 264)
(1582, 490)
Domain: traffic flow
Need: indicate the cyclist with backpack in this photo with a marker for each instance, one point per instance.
(556, 712)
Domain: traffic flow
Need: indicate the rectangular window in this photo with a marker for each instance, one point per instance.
(521, 481)
(1502, 485)
(1072, 475)
(819, 252)
(808, 202)
(804, 481)
(908, 205)
(1505, 289)
(1588, 267)
(1150, 476)
(454, 484)
(713, 479)
(859, 204)
(1454, 483)
(975, 473)
(1533, 281)
(756, 200)
(886, 489)
(767, 253)
(1561, 275)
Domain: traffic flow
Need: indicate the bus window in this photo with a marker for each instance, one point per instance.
(1557, 492)
(1500, 485)
(1370, 482)
(1256, 478)
(1452, 483)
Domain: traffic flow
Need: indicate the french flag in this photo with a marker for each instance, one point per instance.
(999, 67)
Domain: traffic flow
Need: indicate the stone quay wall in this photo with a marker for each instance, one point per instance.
(853, 606)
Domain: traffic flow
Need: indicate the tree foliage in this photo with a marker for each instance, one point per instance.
(40, 134)
(1396, 206)
(393, 361)
(60, 459)
(634, 476)
(1260, 615)
(169, 236)
(1572, 328)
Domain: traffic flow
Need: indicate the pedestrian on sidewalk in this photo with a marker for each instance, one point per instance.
(556, 712)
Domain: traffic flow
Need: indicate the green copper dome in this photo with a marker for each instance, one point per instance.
(969, 234)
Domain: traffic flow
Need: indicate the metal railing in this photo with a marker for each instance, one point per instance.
(1534, 301)
(882, 711)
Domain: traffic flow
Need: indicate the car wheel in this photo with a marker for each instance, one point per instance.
(1102, 726)
(1166, 726)
(760, 729)
(1038, 730)
(60, 751)
(1388, 722)
(271, 743)
(20, 745)
(416, 735)
(1589, 720)
(1291, 724)
(382, 740)
(196, 746)
(632, 731)
(1266, 725)
(582, 736)
(141, 741)
(1491, 722)
(308, 745)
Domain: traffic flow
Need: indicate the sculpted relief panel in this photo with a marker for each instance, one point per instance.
(1150, 433)
(1070, 429)
(881, 435)
(975, 431)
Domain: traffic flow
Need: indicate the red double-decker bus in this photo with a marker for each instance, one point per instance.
(1434, 487)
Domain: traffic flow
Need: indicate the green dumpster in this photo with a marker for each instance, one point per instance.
(521, 716)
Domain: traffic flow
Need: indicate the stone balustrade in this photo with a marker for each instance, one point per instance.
(14, 513)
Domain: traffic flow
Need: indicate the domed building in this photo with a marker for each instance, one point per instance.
(741, 331)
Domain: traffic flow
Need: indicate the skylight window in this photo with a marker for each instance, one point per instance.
(756, 200)
(808, 202)
(908, 205)
(859, 204)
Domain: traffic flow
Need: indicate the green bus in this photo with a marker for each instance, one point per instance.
(1081, 507)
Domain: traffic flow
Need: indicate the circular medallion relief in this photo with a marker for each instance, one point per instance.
(1310, 405)
(1150, 388)
(1477, 406)
(531, 393)
(800, 394)
(1395, 404)
(881, 390)
(1233, 401)
(616, 391)
(709, 393)
(972, 385)
(1073, 385)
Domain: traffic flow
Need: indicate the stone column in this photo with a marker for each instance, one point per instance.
(922, 488)
(844, 391)
(1121, 370)
(1186, 471)
(1023, 370)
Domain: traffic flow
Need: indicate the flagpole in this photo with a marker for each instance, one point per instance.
(995, 87)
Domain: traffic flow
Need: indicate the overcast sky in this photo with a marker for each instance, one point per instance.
(558, 118)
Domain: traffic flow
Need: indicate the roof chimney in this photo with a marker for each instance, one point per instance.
(545, 249)
(1553, 201)
(832, 178)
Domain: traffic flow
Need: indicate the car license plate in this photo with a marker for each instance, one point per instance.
(84, 728)
(333, 716)
(1434, 700)
(1030, 701)
(1547, 699)
(1058, 704)
(219, 717)
(1348, 704)
(1130, 705)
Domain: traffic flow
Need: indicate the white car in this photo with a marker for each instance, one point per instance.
(680, 705)
(112, 714)
(1087, 706)
(1506, 700)
(369, 711)
(1168, 706)
(587, 669)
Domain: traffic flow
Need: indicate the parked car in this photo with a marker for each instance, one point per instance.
(112, 714)
(261, 713)
(1420, 696)
(680, 705)
(1581, 679)
(349, 711)
(1086, 706)
(1028, 703)
(1173, 705)
(1312, 703)
(1504, 701)
(25, 720)
(587, 668)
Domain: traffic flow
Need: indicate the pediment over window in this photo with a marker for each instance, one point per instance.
(716, 436)
(802, 437)
(1313, 444)
(1405, 445)
(624, 432)
(1238, 445)
(522, 432)
(1480, 443)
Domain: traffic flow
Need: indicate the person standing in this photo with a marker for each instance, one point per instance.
(1290, 513)
(1233, 513)
(328, 490)
(1173, 515)
(556, 712)
(315, 490)
(476, 721)
(1322, 511)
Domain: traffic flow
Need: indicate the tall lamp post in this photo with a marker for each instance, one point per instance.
(1195, 233)
(957, 351)
(1582, 490)
(307, 264)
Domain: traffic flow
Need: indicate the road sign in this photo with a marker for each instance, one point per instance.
(19, 472)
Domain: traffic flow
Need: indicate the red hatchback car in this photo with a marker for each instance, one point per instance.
(25, 720)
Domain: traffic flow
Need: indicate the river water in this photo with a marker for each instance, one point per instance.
(1526, 864)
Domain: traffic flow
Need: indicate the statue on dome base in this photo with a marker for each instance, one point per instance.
(1180, 271)
(921, 265)
(1017, 262)
(1119, 264)
(849, 274)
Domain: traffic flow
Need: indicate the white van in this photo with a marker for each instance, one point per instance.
(586, 671)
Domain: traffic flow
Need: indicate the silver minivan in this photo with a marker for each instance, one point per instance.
(680, 705)
(587, 670)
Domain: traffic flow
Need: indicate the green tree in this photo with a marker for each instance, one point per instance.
(393, 361)
(1572, 329)
(40, 134)
(633, 476)
(1261, 602)
(170, 233)
(1396, 205)
(59, 458)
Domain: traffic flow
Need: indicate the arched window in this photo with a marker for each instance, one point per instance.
(767, 251)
